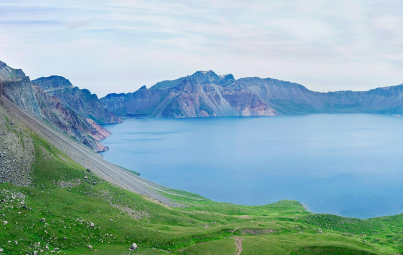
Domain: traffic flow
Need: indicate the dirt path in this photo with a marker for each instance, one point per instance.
(89, 159)
(238, 245)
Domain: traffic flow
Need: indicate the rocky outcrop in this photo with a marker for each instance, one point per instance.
(52, 83)
(206, 94)
(18, 88)
(100, 132)
(22, 94)
(79, 100)
(245, 103)
(10, 74)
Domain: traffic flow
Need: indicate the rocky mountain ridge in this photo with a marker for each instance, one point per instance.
(206, 94)
(203, 94)
(79, 100)
(19, 89)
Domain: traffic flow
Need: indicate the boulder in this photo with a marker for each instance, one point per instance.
(133, 247)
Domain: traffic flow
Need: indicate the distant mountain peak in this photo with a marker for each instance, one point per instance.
(53, 83)
(208, 73)
(229, 78)
(144, 87)
(203, 77)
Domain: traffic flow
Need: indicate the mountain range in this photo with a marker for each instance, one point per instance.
(206, 94)
(80, 114)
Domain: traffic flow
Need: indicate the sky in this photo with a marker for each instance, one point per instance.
(117, 46)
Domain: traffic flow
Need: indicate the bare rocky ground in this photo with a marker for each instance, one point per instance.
(82, 155)
(16, 152)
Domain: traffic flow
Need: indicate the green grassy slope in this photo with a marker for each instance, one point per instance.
(55, 214)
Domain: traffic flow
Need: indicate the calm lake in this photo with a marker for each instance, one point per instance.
(350, 165)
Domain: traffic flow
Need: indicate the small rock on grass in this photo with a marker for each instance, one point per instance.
(133, 247)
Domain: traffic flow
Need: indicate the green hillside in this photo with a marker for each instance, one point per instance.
(67, 210)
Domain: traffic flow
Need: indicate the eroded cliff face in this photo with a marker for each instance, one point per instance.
(72, 123)
(99, 133)
(245, 103)
(22, 94)
(18, 88)
(80, 100)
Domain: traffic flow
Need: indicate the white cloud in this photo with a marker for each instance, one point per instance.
(390, 23)
(120, 45)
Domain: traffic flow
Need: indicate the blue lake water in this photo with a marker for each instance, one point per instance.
(350, 165)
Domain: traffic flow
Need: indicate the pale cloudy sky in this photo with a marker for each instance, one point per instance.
(119, 45)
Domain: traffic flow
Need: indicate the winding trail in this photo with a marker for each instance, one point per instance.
(238, 245)
(89, 159)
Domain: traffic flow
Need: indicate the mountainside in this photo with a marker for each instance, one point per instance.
(79, 100)
(206, 94)
(203, 94)
(18, 88)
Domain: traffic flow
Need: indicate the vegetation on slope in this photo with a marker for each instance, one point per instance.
(65, 209)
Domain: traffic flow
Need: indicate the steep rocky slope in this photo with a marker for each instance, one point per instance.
(206, 94)
(16, 151)
(79, 100)
(18, 88)
(21, 122)
(84, 130)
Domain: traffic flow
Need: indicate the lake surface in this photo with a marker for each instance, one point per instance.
(350, 165)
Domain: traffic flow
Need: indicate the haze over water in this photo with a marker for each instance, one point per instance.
(350, 164)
